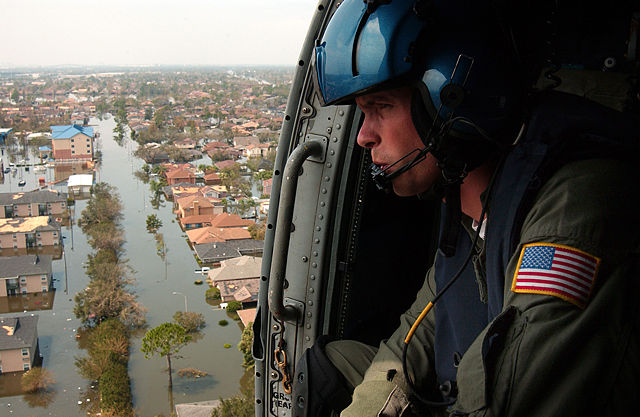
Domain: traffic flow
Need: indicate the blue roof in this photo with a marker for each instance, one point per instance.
(44, 148)
(69, 131)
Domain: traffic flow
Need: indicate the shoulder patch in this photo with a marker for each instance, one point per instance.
(557, 270)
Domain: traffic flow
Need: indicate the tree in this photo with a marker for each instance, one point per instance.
(36, 379)
(233, 306)
(191, 321)
(257, 231)
(103, 206)
(107, 343)
(165, 340)
(106, 236)
(108, 298)
(246, 341)
(263, 175)
(153, 223)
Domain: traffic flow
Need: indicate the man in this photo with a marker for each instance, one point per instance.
(534, 284)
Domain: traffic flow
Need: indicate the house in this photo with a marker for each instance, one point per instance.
(247, 316)
(250, 126)
(214, 252)
(193, 205)
(259, 150)
(4, 134)
(216, 234)
(214, 191)
(175, 191)
(228, 163)
(266, 186)
(33, 203)
(79, 184)
(186, 143)
(29, 232)
(212, 178)
(72, 142)
(227, 220)
(44, 152)
(25, 274)
(213, 147)
(244, 141)
(196, 222)
(238, 279)
(180, 175)
(18, 343)
(156, 156)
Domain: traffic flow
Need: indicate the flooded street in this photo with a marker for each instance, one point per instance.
(156, 281)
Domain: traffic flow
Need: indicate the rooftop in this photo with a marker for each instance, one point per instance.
(15, 266)
(217, 234)
(218, 251)
(38, 196)
(243, 267)
(80, 179)
(69, 131)
(18, 332)
(27, 224)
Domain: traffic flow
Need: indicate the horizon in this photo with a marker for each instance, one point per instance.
(4, 70)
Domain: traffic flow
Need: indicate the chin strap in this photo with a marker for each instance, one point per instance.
(453, 175)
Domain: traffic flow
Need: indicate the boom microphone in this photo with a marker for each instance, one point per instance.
(382, 178)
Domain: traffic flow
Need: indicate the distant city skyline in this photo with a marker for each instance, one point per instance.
(41, 33)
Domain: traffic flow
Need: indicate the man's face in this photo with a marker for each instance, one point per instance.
(389, 133)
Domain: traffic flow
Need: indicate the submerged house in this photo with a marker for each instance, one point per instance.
(18, 343)
(29, 232)
(72, 142)
(25, 274)
(33, 203)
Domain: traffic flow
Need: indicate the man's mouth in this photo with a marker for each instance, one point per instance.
(382, 167)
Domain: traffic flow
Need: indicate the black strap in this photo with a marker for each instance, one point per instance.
(318, 386)
(453, 174)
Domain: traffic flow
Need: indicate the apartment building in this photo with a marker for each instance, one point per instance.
(72, 142)
(29, 232)
(33, 203)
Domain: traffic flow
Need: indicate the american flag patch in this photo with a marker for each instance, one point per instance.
(558, 270)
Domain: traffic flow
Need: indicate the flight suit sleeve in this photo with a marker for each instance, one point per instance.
(544, 355)
(383, 385)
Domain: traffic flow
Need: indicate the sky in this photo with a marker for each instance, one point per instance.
(152, 32)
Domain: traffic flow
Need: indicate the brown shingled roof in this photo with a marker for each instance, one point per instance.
(225, 220)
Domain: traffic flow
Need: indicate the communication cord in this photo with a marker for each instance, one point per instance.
(440, 293)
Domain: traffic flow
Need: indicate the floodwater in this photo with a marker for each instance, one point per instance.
(156, 281)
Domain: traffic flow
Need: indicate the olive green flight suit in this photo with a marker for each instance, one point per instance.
(555, 359)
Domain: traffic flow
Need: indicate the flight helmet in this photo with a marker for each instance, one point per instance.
(467, 88)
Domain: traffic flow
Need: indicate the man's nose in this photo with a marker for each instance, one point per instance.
(368, 136)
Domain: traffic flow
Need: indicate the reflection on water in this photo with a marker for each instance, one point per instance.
(61, 172)
(54, 251)
(27, 302)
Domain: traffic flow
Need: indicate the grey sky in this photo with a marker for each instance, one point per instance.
(149, 32)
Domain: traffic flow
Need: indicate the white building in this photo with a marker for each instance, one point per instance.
(79, 184)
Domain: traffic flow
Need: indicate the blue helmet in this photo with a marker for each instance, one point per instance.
(454, 53)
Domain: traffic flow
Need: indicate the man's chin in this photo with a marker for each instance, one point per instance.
(401, 191)
(408, 190)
